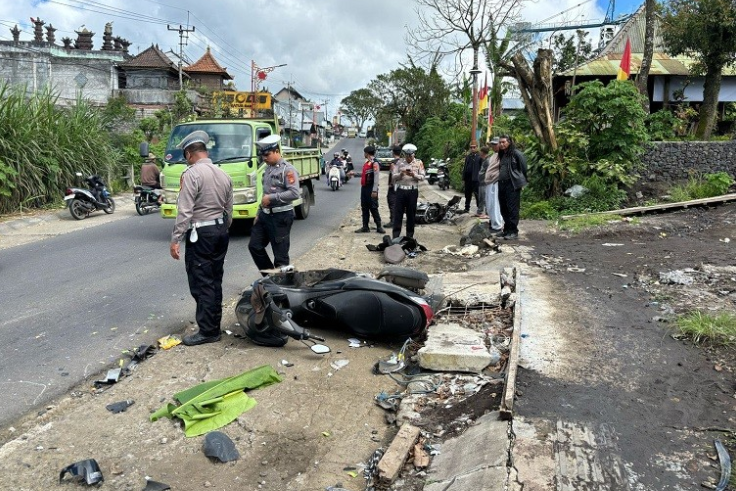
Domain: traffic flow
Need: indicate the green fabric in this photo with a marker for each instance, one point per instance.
(211, 405)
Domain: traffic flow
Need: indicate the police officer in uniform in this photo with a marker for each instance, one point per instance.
(276, 213)
(369, 191)
(406, 175)
(205, 208)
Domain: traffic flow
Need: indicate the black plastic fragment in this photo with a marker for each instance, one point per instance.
(219, 446)
(120, 407)
(156, 486)
(84, 470)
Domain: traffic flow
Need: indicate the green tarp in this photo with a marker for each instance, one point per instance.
(214, 404)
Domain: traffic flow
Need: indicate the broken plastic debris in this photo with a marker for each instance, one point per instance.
(84, 470)
(326, 434)
(120, 407)
(112, 377)
(354, 343)
(726, 240)
(156, 486)
(352, 474)
(620, 275)
(612, 244)
(219, 446)
(576, 270)
(168, 342)
(287, 363)
(338, 364)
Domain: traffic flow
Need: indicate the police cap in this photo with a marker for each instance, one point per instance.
(198, 136)
(268, 144)
(409, 149)
(370, 150)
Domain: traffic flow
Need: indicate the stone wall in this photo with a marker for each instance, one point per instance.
(672, 161)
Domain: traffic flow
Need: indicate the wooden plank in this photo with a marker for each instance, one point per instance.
(665, 206)
(512, 365)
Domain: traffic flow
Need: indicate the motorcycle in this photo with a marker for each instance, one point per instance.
(82, 202)
(432, 171)
(443, 175)
(277, 307)
(147, 199)
(334, 177)
(436, 212)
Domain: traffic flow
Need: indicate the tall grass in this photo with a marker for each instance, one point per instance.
(43, 145)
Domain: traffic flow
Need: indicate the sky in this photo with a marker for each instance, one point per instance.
(329, 47)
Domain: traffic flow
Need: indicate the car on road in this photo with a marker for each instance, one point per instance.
(385, 156)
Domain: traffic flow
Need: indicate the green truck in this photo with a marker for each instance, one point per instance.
(232, 147)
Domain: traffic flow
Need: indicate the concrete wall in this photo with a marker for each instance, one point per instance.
(668, 161)
(154, 96)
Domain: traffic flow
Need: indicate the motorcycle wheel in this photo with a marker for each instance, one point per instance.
(110, 206)
(77, 209)
(432, 214)
(333, 185)
(139, 208)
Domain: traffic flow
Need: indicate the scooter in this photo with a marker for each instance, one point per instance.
(334, 178)
(278, 306)
(147, 199)
(432, 172)
(436, 212)
(82, 202)
(443, 175)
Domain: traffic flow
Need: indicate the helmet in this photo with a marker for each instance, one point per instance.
(409, 149)
(337, 154)
(268, 144)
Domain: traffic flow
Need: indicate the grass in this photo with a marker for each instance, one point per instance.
(716, 329)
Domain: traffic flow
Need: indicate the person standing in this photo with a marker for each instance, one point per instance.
(407, 174)
(275, 216)
(391, 193)
(369, 191)
(482, 210)
(511, 179)
(204, 213)
(495, 221)
(150, 174)
(471, 169)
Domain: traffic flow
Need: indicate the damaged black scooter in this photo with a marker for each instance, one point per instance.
(281, 305)
(436, 212)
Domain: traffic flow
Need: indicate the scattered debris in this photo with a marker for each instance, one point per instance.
(287, 363)
(84, 470)
(620, 275)
(725, 461)
(611, 244)
(676, 277)
(119, 407)
(168, 342)
(354, 343)
(155, 486)
(112, 377)
(217, 445)
(455, 250)
(338, 364)
(576, 270)
(393, 460)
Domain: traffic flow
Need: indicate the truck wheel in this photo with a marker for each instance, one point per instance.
(302, 211)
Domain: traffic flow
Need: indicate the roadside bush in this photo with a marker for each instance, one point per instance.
(699, 187)
(661, 125)
(600, 196)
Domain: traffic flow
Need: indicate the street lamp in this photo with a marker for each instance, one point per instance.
(258, 74)
(474, 125)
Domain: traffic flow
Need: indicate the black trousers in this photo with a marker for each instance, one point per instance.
(204, 261)
(406, 202)
(471, 189)
(509, 200)
(369, 206)
(391, 200)
(274, 229)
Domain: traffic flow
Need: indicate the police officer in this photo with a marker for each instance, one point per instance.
(369, 191)
(391, 193)
(276, 213)
(205, 208)
(407, 174)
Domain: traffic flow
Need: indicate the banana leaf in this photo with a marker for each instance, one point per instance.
(211, 405)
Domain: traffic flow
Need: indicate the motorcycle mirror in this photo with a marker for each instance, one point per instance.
(320, 349)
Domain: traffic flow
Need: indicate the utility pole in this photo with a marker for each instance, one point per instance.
(183, 38)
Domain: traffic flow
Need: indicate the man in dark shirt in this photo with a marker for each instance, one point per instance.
(511, 179)
(150, 175)
(470, 175)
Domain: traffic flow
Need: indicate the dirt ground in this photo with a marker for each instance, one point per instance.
(319, 426)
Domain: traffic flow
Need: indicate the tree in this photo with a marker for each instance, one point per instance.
(646, 61)
(360, 106)
(706, 30)
(567, 52)
(149, 127)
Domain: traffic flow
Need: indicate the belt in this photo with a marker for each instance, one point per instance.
(277, 209)
(407, 188)
(207, 223)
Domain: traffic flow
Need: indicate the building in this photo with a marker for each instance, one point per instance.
(206, 72)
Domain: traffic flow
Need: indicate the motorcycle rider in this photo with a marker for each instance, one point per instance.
(150, 175)
(348, 160)
(96, 185)
(336, 161)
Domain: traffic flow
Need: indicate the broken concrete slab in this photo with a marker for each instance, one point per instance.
(393, 460)
(475, 460)
(451, 347)
(471, 288)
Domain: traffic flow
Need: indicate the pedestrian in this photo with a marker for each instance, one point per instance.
(482, 212)
(471, 169)
(150, 174)
(511, 179)
(275, 216)
(204, 214)
(495, 221)
(369, 178)
(407, 174)
(391, 193)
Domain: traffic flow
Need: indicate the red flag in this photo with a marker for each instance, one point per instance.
(624, 69)
(483, 97)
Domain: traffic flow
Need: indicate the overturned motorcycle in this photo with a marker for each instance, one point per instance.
(386, 308)
(436, 212)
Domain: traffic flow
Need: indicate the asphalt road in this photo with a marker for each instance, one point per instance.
(73, 302)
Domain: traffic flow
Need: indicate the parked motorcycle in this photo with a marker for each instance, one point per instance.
(147, 199)
(82, 201)
(432, 171)
(436, 212)
(443, 175)
(278, 306)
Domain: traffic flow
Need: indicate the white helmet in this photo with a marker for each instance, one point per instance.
(409, 149)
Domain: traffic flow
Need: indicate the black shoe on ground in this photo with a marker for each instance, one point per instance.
(199, 338)
(511, 236)
(496, 231)
(363, 230)
(380, 230)
(390, 224)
